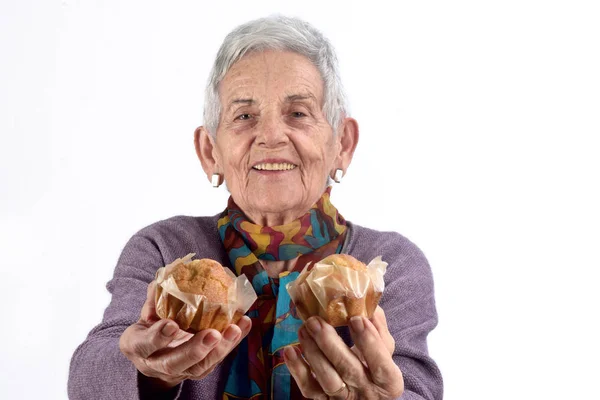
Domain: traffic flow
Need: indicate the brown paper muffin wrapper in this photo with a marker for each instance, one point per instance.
(193, 312)
(337, 293)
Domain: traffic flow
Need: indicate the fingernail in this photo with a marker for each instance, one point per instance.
(313, 325)
(357, 324)
(246, 320)
(231, 334)
(290, 353)
(211, 339)
(169, 329)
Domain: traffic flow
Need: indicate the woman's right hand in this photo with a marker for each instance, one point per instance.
(169, 355)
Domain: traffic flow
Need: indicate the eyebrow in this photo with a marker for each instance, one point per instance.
(296, 97)
(289, 99)
(240, 101)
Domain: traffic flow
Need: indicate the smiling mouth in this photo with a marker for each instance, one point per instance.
(274, 167)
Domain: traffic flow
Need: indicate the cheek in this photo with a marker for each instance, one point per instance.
(317, 160)
(237, 167)
(232, 170)
(234, 155)
(236, 160)
(310, 147)
(322, 155)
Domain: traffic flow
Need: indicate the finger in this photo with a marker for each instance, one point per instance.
(358, 354)
(329, 379)
(347, 366)
(141, 341)
(148, 313)
(300, 370)
(384, 372)
(380, 322)
(231, 338)
(181, 337)
(174, 361)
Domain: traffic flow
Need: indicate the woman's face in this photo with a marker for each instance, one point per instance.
(273, 144)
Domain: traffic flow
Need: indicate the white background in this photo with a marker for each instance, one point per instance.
(479, 142)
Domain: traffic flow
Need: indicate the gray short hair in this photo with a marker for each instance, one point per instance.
(283, 34)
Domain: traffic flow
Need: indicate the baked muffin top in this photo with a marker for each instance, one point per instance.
(205, 276)
(344, 260)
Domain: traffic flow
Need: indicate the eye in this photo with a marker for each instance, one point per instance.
(298, 114)
(243, 117)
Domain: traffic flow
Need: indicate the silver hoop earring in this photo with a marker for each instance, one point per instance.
(337, 177)
(216, 180)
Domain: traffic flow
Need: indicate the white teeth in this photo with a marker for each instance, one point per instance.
(274, 167)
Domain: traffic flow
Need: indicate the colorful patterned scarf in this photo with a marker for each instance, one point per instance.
(258, 370)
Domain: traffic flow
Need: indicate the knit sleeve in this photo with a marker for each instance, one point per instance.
(409, 305)
(98, 368)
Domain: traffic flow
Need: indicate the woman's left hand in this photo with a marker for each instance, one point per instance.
(335, 371)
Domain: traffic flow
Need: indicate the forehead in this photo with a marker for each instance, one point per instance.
(268, 74)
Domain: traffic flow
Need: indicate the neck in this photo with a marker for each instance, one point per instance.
(274, 218)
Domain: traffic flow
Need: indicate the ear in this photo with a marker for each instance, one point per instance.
(347, 139)
(206, 151)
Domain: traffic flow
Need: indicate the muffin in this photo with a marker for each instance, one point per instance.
(338, 288)
(205, 276)
(201, 294)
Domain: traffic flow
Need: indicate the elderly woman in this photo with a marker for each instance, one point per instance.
(276, 132)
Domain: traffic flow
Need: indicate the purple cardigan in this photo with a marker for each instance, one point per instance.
(100, 371)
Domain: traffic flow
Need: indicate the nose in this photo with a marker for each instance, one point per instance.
(271, 132)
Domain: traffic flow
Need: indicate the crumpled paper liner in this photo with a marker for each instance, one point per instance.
(193, 312)
(338, 293)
